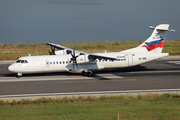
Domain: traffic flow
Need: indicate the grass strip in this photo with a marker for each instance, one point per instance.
(150, 106)
(14, 51)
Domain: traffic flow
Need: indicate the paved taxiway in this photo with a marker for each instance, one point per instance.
(162, 74)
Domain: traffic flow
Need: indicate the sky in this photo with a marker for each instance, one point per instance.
(68, 21)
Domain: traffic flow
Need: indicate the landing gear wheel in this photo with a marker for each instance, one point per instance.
(19, 75)
(83, 73)
(89, 74)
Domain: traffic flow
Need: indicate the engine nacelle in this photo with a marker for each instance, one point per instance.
(82, 59)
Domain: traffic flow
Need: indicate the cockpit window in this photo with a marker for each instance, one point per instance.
(21, 61)
(18, 61)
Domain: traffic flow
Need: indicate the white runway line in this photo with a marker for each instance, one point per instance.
(172, 71)
(45, 78)
(174, 62)
(81, 93)
(63, 77)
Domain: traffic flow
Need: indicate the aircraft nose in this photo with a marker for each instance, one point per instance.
(10, 68)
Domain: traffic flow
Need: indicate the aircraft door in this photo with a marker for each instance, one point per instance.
(130, 59)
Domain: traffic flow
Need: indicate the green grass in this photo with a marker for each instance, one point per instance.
(128, 109)
(151, 106)
(14, 51)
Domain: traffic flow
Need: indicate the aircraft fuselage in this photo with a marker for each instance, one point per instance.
(61, 63)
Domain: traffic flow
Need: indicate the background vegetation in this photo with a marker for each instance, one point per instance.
(14, 51)
(150, 106)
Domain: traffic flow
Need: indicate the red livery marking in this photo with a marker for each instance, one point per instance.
(153, 46)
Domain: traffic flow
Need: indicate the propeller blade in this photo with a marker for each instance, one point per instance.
(76, 64)
(73, 66)
(74, 52)
(52, 52)
(73, 59)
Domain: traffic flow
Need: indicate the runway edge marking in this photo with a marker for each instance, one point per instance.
(82, 93)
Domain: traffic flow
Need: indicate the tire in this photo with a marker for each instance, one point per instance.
(83, 73)
(89, 74)
(18, 76)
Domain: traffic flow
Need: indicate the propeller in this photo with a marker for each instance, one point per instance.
(53, 51)
(73, 59)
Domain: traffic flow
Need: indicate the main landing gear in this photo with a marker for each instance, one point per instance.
(87, 73)
(19, 75)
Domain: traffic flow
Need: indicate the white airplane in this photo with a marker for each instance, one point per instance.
(71, 60)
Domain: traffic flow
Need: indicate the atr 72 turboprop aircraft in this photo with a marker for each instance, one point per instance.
(71, 60)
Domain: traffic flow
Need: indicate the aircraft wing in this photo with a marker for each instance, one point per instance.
(69, 50)
(93, 56)
(90, 56)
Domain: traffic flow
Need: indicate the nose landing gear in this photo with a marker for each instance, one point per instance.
(19, 75)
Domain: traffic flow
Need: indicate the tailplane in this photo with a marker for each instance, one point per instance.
(155, 42)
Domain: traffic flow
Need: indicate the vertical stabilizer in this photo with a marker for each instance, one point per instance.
(156, 41)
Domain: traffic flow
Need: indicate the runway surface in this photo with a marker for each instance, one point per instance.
(162, 74)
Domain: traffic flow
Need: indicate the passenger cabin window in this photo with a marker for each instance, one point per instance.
(60, 62)
(56, 62)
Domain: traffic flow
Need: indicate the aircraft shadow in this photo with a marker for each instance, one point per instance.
(39, 74)
(124, 70)
(100, 77)
(106, 71)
